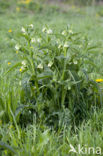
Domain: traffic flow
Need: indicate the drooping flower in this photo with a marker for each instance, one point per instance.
(50, 64)
(31, 26)
(60, 46)
(33, 40)
(40, 66)
(17, 47)
(64, 33)
(23, 30)
(39, 40)
(66, 45)
(69, 87)
(49, 31)
(70, 31)
(44, 29)
(75, 61)
(24, 63)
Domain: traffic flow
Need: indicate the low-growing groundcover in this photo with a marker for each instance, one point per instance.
(50, 82)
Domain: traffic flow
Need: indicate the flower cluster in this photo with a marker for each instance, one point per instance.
(34, 40)
(47, 30)
(24, 66)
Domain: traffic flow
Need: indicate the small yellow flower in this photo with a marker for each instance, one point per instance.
(20, 69)
(99, 80)
(9, 30)
(9, 63)
(17, 9)
(16, 51)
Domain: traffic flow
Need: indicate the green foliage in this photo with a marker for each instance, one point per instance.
(55, 69)
(40, 140)
(4, 146)
(29, 102)
(7, 100)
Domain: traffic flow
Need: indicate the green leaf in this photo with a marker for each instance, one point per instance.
(13, 67)
(2, 113)
(90, 62)
(92, 47)
(21, 108)
(7, 147)
(41, 76)
(47, 46)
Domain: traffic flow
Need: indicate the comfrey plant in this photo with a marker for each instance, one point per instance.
(55, 69)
